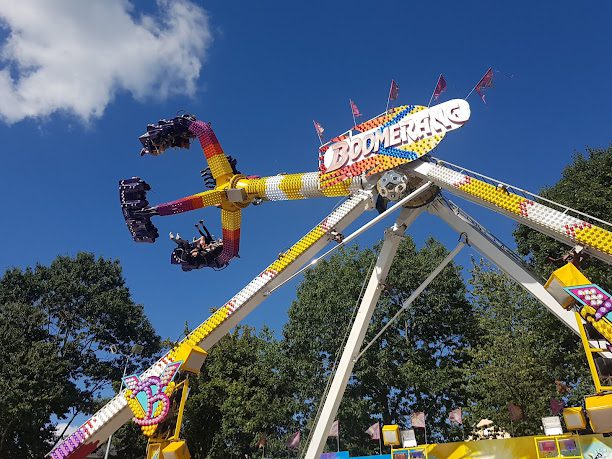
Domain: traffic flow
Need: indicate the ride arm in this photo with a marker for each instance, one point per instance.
(284, 187)
(116, 412)
(230, 222)
(280, 187)
(559, 225)
(220, 168)
(195, 201)
(178, 132)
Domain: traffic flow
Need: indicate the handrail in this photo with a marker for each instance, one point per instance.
(517, 190)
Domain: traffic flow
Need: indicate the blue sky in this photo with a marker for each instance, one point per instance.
(260, 72)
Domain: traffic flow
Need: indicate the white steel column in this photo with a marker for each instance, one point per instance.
(415, 294)
(486, 245)
(360, 326)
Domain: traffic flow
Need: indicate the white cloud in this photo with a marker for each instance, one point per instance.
(75, 55)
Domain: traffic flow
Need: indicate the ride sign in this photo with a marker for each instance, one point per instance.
(408, 127)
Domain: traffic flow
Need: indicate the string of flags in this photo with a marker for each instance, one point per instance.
(319, 130)
(374, 431)
(294, 440)
(481, 87)
(456, 416)
(418, 421)
(485, 82)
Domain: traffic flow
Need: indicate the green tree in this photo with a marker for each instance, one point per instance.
(240, 395)
(81, 308)
(128, 442)
(522, 351)
(415, 366)
(34, 382)
(585, 185)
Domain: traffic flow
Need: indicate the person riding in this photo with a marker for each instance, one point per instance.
(199, 253)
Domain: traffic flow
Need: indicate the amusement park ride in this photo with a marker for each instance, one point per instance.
(381, 161)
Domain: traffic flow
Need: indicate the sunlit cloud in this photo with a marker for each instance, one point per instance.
(74, 56)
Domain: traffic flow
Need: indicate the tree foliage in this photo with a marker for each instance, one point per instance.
(415, 366)
(523, 351)
(75, 309)
(34, 381)
(585, 185)
(240, 395)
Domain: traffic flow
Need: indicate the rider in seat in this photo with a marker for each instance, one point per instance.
(201, 252)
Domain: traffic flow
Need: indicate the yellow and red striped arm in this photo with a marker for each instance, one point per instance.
(217, 161)
(230, 223)
(196, 201)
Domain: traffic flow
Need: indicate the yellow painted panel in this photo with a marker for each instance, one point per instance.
(291, 184)
(219, 166)
(230, 220)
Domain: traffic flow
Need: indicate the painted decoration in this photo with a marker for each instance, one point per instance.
(387, 141)
(149, 398)
(596, 308)
(594, 296)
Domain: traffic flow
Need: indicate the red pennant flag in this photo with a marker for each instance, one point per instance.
(418, 419)
(333, 430)
(374, 431)
(440, 87)
(515, 412)
(319, 129)
(556, 406)
(294, 440)
(354, 109)
(456, 416)
(485, 82)
(394, 91)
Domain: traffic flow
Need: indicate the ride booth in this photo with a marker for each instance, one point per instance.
(554, 444)
(567, 446)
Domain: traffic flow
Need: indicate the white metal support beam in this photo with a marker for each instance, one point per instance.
(415, 294)
(360, 326)
(479, 238)
(505, 260)
(482, 241)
